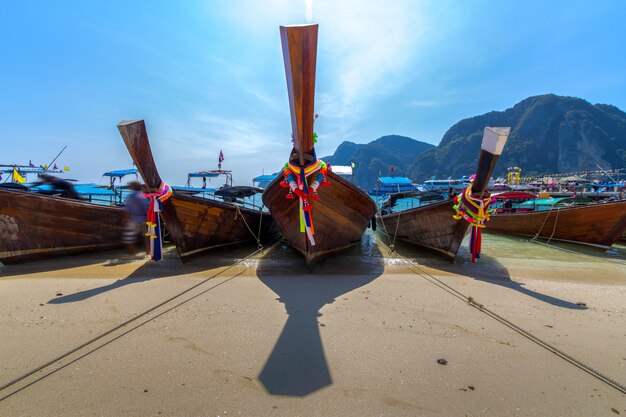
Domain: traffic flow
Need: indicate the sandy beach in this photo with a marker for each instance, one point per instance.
(360, 336)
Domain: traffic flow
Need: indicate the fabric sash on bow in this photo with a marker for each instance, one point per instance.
(475, 211)
(153, 219)
(301, 172)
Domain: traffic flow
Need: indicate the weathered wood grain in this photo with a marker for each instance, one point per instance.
(34, 226)
(595, 224)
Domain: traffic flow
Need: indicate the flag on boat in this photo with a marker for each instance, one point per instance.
(17, 177)
(220, 159)
(66, 168)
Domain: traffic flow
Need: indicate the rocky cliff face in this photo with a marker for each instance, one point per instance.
(375, 158)
(549, 134)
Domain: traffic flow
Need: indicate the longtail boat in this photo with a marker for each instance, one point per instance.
(34, 226)
(196, 224)
(598, 224)
(432, 226)
(317, 212)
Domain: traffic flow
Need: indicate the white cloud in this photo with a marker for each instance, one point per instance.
(364, 48)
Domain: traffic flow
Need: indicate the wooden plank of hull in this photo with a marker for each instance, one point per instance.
(431, 227)
(207, 224)
(597, 224)
(340, 217)
(195, 224)
(34, 226)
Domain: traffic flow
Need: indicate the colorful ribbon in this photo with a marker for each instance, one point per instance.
(153, 219)
(297, 174)
(475, 211)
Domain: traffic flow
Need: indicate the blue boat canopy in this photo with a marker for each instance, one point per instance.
(395, 180)
(120, 172)
(269, 178)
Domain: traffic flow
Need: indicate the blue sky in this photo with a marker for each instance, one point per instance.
(208, 75)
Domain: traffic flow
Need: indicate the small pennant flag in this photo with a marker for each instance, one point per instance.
(66, 168)
(220, 159)
(17, 177)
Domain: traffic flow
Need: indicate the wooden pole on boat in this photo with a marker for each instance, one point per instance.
(494, 139)
(299, 44)
(136, 139)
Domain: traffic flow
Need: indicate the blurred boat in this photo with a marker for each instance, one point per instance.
(197, 224)
(35, 225)
(432, 226)
(315, 219)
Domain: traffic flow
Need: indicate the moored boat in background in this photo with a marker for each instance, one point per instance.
(600, 224)
(317, 220)
(35, 225)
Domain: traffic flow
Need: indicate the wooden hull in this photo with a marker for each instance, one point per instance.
(597, 224)
(430, 227)
(34, 226)
(340, 217)
(207, 224)
(195, 224)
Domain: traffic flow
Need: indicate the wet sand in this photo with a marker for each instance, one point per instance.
(360, 336)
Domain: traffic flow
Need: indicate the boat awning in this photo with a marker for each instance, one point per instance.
(93, 189)
(560, 201)
(207, 174)
(270, 177)
(192, 190)
(394, 180)
(238, 191)
(513, 195)
(120, 172)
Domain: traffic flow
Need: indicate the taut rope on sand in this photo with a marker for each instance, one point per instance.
(120, 326)
(417, 269)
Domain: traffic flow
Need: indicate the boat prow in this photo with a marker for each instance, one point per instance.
(317, 212)
(432, 226)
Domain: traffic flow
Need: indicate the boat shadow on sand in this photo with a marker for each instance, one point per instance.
(487, 269)
(297, 365)
(169, 266)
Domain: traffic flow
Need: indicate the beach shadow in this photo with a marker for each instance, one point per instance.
(58, 263)
(297, 365)
(167, 267)
(486, 269)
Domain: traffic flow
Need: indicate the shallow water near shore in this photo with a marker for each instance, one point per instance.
(501, 254)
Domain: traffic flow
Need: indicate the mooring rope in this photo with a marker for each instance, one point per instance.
(257, 238)
(615, 261)
(121, 325)
(392, 244)
(473, 303)
(544, 223)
